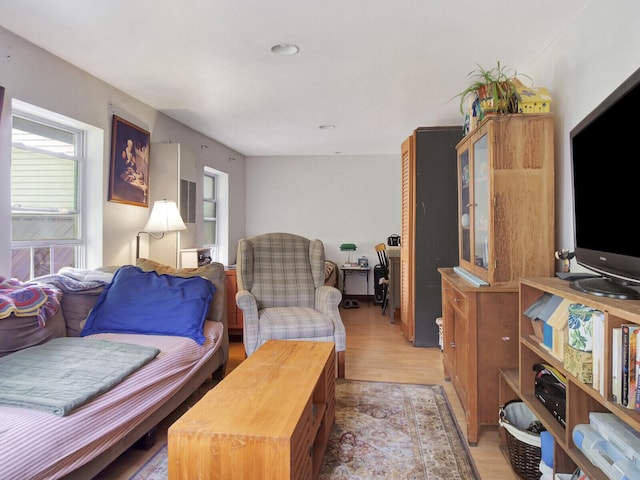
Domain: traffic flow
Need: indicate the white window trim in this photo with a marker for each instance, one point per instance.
(222, 213)
(91, 175)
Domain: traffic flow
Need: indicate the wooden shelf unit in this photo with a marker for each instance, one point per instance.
(581, 398)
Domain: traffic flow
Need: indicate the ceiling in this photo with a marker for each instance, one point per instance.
(374, 69)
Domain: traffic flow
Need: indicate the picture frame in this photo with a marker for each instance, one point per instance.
(129, 165)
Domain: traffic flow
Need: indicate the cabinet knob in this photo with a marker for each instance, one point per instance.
(453, 344)
(456, 300)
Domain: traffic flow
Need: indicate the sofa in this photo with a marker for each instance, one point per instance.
(80, 441)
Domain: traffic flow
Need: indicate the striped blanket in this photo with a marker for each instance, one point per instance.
(28, 299)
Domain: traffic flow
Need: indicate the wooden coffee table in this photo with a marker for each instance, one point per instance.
(270, 418)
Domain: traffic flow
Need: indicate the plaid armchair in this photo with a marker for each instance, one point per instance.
(282, 295)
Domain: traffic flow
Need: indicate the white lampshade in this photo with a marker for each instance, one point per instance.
(164, 218)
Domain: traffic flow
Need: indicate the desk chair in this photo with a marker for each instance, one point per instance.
(381, 250)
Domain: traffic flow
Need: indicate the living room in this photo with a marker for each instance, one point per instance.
(335, 197)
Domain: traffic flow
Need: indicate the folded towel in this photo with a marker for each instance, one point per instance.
(83, 275)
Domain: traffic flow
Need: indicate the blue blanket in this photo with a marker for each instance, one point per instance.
(65, 373)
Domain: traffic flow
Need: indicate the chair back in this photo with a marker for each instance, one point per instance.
(281, 269)
(381, 250)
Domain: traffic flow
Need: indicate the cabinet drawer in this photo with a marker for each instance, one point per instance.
(457, 299)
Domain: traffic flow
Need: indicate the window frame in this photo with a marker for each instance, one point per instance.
(205, 220)
(80, 134)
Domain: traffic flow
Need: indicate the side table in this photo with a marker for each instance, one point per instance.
(353, 269)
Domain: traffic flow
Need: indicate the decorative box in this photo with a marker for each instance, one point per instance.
(532, 99)
(579, 364)
(581, 326)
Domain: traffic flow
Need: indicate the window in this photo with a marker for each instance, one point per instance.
(46, 175)
(210, 213)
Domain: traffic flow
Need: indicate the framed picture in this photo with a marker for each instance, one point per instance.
(129, 174)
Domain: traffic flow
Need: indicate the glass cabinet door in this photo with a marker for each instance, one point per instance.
(465, 204)
(481, 203)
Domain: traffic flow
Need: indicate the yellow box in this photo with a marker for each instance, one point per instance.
(532, 99)
(579, 364)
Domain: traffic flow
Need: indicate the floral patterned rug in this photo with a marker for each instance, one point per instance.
(382, 431)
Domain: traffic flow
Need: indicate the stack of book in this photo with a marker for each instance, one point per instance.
(625, 365)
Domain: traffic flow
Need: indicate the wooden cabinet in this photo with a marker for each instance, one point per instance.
(234, 314)
(506, 199)
(429, 228)
(505, 231)
(581, 398)
(480, 336)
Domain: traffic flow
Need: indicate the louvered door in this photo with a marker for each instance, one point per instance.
(407, 263)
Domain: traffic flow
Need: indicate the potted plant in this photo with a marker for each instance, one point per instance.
(494, 88)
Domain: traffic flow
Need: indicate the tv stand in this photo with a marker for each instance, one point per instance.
(605, 287)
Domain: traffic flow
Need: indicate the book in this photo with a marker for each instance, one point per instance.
(616, 364)
(598, 353)
(629, 342)
(633, 367)
(637, 378)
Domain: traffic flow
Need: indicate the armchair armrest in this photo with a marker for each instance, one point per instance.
(327, 301)
(249, 306)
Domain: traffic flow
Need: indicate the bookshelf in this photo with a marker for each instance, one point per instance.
(581, 398)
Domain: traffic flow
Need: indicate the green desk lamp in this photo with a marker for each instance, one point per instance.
(348, 247)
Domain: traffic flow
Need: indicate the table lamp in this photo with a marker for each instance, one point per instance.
(164, 218)
(348, 247)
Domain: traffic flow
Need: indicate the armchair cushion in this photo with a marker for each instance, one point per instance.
(299, 323)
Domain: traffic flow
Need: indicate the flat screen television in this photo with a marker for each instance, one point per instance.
(606, 194)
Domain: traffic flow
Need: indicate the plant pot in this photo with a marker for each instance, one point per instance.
(495, 97)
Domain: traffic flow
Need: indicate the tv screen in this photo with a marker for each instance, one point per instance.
(606, 190)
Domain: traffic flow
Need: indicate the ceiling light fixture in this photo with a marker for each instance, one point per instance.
(285, 49)
(327, 127)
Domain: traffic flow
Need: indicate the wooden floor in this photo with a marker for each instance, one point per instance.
(376, 351)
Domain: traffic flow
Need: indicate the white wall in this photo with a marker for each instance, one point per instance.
(581, 68)
(36, 77)
(337, 199)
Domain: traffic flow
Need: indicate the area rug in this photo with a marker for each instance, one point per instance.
(382, 431)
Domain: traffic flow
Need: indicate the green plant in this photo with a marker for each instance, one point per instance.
(495, 86)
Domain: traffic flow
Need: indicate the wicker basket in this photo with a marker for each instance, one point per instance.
(524, 447)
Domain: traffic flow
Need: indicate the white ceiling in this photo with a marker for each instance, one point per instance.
(376, 69)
